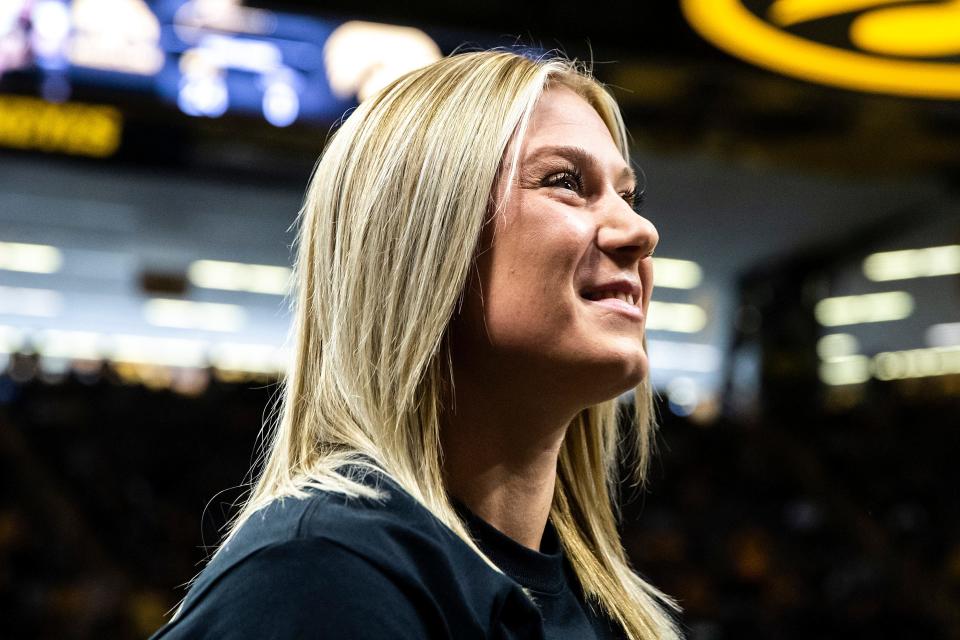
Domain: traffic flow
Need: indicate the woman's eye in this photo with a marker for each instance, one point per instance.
(635, 199)
(566, 180)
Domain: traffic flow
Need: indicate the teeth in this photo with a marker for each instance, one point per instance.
(626, 297)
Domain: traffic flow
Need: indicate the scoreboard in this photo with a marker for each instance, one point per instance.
(198, 58)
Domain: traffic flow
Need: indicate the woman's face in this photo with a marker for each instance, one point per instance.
(545, 311)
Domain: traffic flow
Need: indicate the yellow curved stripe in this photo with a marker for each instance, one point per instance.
(789, 12)
(927, 31)
(728, 25)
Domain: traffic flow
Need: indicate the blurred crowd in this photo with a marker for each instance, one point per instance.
(833, 524)
(824, 525)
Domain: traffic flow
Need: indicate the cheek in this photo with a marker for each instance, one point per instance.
(531, 276)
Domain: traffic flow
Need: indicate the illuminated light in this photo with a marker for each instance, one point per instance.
(870, 307)
(42, 303)
(683, 395)
(363, 57)
(920, 31)
(71, 345)
(845, 370)
(676, 274)
(73, 128)
(249, 358)
(194, 16)
(12, 339)
(225, 52)
(51, 27)
(683, 356)
(946, 334)
(732, 27)
(10, 13)
(116, 35)
(913, 263)
(238, 276)
(30, 258)
(173, 352)
(183, 314)
(58, 347)
(837, 345)
(202, 95)
(917, 363)
(280, 104)
(14, 39)
(789, 12)
(203, 90)
(678, 317)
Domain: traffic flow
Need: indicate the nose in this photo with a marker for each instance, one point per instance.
(624, 234)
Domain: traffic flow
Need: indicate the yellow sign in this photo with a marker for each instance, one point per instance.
(909, 49)
(77, 129)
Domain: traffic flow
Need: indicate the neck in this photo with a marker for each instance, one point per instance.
(500, 456)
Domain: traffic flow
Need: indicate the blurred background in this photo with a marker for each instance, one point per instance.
(801, 160)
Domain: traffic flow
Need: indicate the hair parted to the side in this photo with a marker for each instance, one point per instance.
(387, 236)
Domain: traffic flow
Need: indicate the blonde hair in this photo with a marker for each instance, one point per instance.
(387, 235)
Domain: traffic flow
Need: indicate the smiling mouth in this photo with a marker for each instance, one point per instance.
(618, 303)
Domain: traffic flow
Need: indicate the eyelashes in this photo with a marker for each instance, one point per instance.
(635, 199)
(569, 178)
(572, 179)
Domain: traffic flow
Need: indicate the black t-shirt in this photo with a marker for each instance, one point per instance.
(333, 567)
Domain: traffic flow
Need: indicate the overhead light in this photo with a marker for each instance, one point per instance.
(870, 307)
(683, 356)
(21, 301)
(845, 370)
(837, 345)
(183, 314)
(946, 334)
(913, 263)
(12, 339)
(676, 274)
(674, 316)
(151, 351)
(250, 358)
(72, 345)
(30, 258)
(173, 352)
(239, 276)
(917, 363)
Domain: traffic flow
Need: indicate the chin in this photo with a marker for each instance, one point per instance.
(634, 376)
(618, 375)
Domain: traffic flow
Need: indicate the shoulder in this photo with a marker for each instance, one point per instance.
(300, 588)
(302, 559)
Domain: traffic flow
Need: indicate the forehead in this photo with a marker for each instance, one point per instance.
(563, 118)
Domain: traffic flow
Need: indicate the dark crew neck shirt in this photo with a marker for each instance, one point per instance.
(328, 566)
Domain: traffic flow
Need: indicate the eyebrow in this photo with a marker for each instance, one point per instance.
(579, 156)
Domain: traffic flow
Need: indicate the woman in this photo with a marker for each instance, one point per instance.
(472, 283)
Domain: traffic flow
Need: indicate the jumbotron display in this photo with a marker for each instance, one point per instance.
(206, 57)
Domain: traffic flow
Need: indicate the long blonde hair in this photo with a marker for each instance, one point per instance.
(387, 235)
